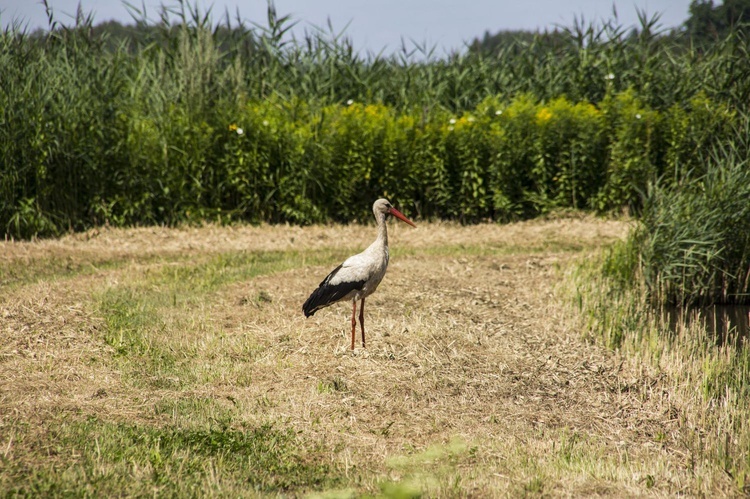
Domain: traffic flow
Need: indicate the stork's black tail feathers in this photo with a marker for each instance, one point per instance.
(315, 302)
(328, 294)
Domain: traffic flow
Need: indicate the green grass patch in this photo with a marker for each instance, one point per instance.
(158, 322)
(22, 272)
(692, 243)
(95, 458)
(432, 471)
(227, 268)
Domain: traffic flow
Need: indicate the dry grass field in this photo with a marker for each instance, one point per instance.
(177, 362)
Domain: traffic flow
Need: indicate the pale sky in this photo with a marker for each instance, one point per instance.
(374, 25)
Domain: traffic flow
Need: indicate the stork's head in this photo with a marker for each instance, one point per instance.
(383, 208)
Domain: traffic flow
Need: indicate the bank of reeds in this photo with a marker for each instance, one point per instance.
(191, 121)
(691, 245)
(652, 297)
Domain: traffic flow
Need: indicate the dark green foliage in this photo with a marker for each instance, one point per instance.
(515, 40)
(110, 459)
(692, 245)
(190, 121)
(710, 21)
(511, 178)
(570, 161)
(634, 155)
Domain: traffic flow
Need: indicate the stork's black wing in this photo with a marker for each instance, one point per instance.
(328, 294)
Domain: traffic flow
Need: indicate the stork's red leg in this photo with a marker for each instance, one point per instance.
(354, 320)
(362, 320)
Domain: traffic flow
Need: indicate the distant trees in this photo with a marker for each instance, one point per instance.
(514, 40)
(708, 22)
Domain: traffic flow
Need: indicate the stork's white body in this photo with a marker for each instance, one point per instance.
(359, 276)
(368, 266)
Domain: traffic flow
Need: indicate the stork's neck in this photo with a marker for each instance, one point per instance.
(382, 231)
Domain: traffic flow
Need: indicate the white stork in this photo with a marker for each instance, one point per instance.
(358, 277)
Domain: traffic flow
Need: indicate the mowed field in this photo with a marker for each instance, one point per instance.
(177, 362)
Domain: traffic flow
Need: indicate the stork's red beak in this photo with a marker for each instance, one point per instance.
(400, 216)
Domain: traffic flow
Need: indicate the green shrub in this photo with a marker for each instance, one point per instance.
(693, 243)
(571, 153)
(468, 149)
(691, 131)
(514, 133)
(146, 131)
(431, 194)
(634, 151)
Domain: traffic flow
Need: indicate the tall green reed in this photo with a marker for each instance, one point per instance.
(97, 129)
(691, 245)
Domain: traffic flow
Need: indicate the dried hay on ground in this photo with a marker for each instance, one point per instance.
(473, 383)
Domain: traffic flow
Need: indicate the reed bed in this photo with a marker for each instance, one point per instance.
(189, 119)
